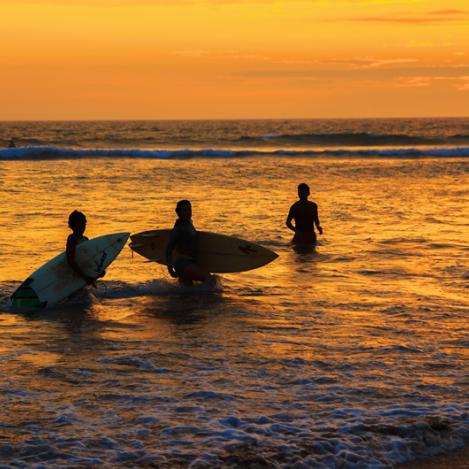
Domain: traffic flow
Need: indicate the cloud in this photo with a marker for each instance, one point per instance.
(412, 82)
(226, 55)
(410, 76)
(192, 53)
(353, 63)
(430, 17)
(117, 3)
(448, 12)
(369, 62)
(464, 86)
(461, 83)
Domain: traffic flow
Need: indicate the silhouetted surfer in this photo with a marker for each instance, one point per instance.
(12, 144)
(305, 214)
(77, 223)
(183, 238)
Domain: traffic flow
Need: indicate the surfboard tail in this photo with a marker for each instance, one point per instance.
(26, 297)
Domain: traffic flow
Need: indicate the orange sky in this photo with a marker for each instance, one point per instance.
(170, 59)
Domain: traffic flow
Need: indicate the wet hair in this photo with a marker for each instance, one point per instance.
(76, 217)
(181, 204)
(303, 186)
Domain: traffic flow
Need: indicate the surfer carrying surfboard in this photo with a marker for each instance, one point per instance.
(305, 214)
(183, 239)
(77, 223)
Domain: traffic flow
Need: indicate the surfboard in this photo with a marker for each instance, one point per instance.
(218, 254)
(56, 280)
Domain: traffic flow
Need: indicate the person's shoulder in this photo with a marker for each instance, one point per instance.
(312, 204)
(295, 205)
(176, 227)
(71, 241)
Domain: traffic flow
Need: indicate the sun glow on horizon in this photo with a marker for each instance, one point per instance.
(114, 59)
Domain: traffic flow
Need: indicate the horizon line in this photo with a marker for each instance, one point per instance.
(234, 119)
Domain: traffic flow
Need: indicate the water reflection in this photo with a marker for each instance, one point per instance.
(304, 248)
(369, 327)
(186, 307)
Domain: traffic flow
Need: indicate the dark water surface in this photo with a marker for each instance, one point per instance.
(355, 355)
(438, 137)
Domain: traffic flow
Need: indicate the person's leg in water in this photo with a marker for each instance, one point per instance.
(193, 273)
(305, 238)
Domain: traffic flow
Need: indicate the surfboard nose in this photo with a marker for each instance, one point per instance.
(122, 237)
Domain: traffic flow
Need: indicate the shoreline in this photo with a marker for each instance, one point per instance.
(458, 459)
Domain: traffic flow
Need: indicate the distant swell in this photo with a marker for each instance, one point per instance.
(356, 139)
(43, 153)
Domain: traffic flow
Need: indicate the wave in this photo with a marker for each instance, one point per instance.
(45, 153)
(357, 139)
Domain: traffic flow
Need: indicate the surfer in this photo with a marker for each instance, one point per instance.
(12, 144)
(305, 214)
(183, 238)
(77, 223)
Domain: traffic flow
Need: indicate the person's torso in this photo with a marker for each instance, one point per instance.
(304, 214)
(186, 236)
(75, 240)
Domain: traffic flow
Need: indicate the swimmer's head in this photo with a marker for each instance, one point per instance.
(303, 191)
(77, 221)
(184, 209)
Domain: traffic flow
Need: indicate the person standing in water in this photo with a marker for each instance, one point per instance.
(305, 214)
(183, 238)
(77, 223)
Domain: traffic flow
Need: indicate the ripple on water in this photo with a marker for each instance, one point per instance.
(351, 356)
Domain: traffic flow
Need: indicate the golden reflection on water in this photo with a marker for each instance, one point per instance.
(376, 255)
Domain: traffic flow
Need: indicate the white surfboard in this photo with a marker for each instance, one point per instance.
(56, 280)
(216, 253)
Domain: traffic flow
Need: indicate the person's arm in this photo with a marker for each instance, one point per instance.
(316, 219)
(173, 237)
(70, 253)
(289, 220)
(193, 246)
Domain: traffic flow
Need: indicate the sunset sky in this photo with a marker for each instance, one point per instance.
(178, 59)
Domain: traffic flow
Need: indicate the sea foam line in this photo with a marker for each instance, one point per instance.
(47, 152)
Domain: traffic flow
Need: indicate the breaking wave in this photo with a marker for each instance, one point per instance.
(46, 152)
(358, 139)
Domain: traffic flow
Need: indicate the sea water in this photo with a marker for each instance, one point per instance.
(354, 355)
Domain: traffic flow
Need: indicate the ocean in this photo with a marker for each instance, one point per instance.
(354, 355)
